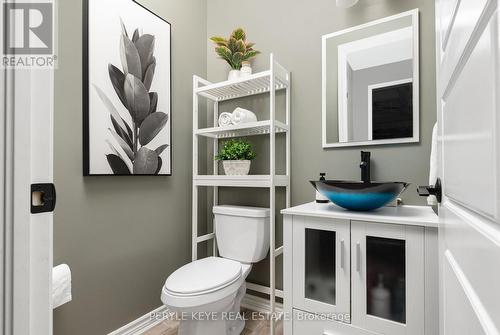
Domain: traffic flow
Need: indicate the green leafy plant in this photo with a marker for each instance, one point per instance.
(235, 49)
(234, 150)
(133, 88)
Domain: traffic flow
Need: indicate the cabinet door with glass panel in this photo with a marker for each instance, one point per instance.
(388, 278)
(321, 268)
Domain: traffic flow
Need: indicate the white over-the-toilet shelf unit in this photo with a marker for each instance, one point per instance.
(269, 81)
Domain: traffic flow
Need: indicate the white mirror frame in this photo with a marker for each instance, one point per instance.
(416, 84)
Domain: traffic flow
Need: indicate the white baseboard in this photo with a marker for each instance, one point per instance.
(146, 322)
(142, 324)
(258, 304)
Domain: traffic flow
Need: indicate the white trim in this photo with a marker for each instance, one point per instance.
(260, 305)
(480, 310)
(6, 196)
(416, 103)
(410, 12)
(142, 324)
(370, 102)
(342, 95)
(366, 143)
(146, 322)
(375, 44)
(323, 90)
(27, 153)
(484, 225)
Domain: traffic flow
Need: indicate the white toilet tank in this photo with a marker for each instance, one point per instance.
(242, 232)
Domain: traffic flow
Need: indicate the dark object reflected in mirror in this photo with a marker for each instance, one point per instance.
(392, 111)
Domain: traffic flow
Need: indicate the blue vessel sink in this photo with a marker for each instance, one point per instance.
(359, 196)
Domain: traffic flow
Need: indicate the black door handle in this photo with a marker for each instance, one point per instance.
(43, 198)
(436, 190)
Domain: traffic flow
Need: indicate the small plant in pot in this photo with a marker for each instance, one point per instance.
(235, 50)
(236, 156)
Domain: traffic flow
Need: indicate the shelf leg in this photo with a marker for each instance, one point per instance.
(215, 172)
(288, 142)
(272, 295)
(272, 195)
(195, 172)
(195, 224)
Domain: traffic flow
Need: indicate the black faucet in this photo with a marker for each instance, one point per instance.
(365, 166)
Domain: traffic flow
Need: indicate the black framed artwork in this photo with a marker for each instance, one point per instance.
(127, 116)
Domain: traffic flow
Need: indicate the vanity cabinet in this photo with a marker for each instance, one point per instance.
(360, 272)
(322, 272)
(387, 281)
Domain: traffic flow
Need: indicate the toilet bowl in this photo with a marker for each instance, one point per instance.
(206, 294)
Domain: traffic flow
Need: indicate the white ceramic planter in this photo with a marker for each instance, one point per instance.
(236, 168)
(233, 74)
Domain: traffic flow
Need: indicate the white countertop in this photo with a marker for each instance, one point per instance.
(409, 215)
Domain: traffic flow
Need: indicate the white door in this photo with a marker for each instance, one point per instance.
(469, 133)
(26, 159)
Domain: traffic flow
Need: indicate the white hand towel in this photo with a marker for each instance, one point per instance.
(225, 120)
(433, 174)
(61, 285)
(241, 115)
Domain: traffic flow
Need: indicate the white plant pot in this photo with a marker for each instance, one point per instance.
(233, 74)
(236, 168)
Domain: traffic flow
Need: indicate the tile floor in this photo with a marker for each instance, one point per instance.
(252, 327)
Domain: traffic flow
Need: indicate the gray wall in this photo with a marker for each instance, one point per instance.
(122, 236)
(293, 30)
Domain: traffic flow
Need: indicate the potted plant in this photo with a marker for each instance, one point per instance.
(235, 50)
(236, 156)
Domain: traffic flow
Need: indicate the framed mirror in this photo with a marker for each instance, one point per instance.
(371, 83)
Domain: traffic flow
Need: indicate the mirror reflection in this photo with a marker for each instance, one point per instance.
(370, 83)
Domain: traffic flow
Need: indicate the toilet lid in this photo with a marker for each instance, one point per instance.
(204, 275)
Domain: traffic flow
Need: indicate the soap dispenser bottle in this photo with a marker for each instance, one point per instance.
(320, 198)
(381, 299)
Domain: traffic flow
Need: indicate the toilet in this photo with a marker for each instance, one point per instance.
(206, 294)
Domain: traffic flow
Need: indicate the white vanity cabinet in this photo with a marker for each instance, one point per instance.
(388, 275)
(321, 271)
(360, 273)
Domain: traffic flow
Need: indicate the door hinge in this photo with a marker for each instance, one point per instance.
(43, 198)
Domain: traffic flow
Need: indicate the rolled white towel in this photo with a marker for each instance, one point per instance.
(225, 119)
(61, 285)
(241, 115)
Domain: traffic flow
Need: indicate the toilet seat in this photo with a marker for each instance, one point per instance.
(204, 281)
(203, 276)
